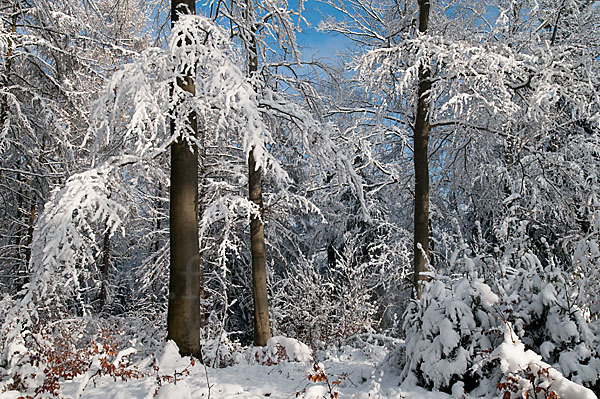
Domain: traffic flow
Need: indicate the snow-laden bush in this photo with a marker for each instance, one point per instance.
(545, 294)
(541, 304)
(586, 265)
(450, 333)
(223, 352)
(526, 375)
(280, 349)
(454, 335)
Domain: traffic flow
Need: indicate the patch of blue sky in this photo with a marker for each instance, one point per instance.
(313, 42)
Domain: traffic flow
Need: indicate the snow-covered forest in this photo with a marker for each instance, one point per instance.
(193, 207)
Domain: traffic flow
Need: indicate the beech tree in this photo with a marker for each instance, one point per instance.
(257, 24)
(231, 127)
(301, 136)
(381, 26)
(261, 324)
(185, 277)
(421, 165)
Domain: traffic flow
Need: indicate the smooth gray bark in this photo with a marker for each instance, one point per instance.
(262, 325)
(421, 166)
(185, 274)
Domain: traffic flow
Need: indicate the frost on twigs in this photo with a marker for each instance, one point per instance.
(481, 76)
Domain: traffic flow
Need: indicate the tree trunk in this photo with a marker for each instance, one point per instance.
(202, 194)
(183, 321)
(331, 256)
(105, 267)
(156, 246)
(8, 63)
(421, 165)
(32, 213)
(262, 327)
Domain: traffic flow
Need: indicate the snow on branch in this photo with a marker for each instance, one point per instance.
(64, 248)
(64, 241)
(315, 139)
(228, 210)
(131, 111)
(470, 78)
(197, 44)
(142, 99)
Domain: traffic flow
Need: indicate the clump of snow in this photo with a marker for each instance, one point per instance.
(548, 294)
(485, 293)
(316, 392)
(458, 390)
(546, 348)
(123, 354)
(12, 350)
(180, 390)
(295, 350)
(11, 395)
(170, 357)
(512, 354)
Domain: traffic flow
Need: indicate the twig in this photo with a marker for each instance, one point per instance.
(208, 385)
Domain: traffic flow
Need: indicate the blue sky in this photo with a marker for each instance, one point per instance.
(322, 45)
(312, 42)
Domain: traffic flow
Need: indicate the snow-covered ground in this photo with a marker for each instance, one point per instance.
(361, 373)
(285, 368)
